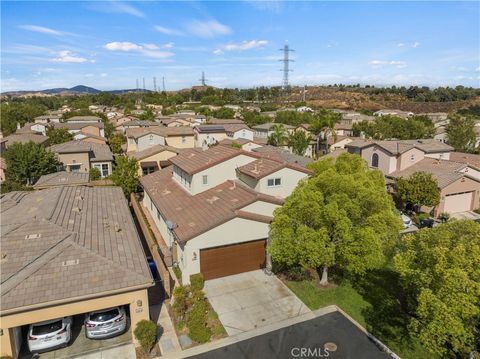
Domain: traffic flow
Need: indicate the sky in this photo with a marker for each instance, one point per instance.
(109, 45)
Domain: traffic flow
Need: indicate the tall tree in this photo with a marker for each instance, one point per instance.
(420, 189)
(299, 142)
(461, 133)
(323, 124)
(26, 162)
(440, 271)
(58, 135)
(278, 137)
(116, 141)
(125, 174)
(341, 217)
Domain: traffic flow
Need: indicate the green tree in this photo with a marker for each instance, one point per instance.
(116, 141)
(125, 174)
(440, 271)
(323, 124)
(94, 174)
(18, 113)
(299, 142)
(341, 217)
(393, 127)
(461, 133)
(278, 137)
(224, 112)
(58, 135)
(26, 162)
(146, 333)
(148, 115)
(420, 189)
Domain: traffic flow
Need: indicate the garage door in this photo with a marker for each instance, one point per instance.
(232, 259)
(458, 202)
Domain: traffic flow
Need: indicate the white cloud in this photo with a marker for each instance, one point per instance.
(42, 30)
(380, 63)
(477, 69)
(401, 44)
(103, 75)
(243, 46)
(168, 31)
(68, 56)
(415, 44)
(149, 50)
(122, 46)
(116, 7)
(168, 45)
(207, 29)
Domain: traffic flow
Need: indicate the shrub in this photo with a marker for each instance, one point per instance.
(297, 274)
(178, 273)
(180, 294)
(94, 174)
(146, 333)
(196, 282)
(444, 216)
(197, 323)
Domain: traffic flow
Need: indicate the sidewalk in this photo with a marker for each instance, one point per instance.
(168, 342)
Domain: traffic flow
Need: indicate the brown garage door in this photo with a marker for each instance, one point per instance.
(232, 259)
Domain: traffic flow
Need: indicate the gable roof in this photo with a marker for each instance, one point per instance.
(396, 147)
(267, 126)
(83, 118)
(76, 125)
(98, 151)
(194, 215)
(25, 138)
(62, 178)
(282, 155)
(467, 158)
(160, 131)
(265, 166)
(140, 155)
(57, 238)
(226, 121)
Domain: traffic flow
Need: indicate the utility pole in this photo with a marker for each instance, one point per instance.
(163, 83)
(136, 88)
(155, 84)
(143, 84)
(304, 93)
(286, 63)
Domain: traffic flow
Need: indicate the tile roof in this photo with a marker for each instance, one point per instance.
(139, 155)
(267, 126)
(210, 129)
(221, 121)
(62, 178)
(98, 151)
(84, 118)
(77, 126)
(445, 172)
(159, 130)
(68, 242)
(396, 147)
(25, 138)
(235, 127)
(282, 155)
(140, 123)
(194, 215)
(269, 164)
(467, 158)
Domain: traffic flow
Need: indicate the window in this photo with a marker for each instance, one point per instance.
(148, 170)
(150, 139)
(184, 139)
(374, 160)
(274, 182)
(205, 179)
(103, 168)
(74, 168)
(412, 157)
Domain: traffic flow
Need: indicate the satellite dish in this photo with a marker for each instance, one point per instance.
(169, 225)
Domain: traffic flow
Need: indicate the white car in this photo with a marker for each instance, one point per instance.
(407, 222)
(105, 323)
(50, 334)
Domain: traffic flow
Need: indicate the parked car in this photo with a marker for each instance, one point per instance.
(49, 335)
(426, 223)
(105, 323)
(407, 222)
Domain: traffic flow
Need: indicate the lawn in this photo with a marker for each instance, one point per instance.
(373, 302)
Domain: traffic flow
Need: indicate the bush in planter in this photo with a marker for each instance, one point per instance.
(197, 323)
(297, 274)
(94, 174)
(180, 294)
(196, 282)
(146, 333)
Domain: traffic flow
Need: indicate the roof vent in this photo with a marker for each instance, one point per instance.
(76, 209)
(33, 236)
(70, 262)
(192, 224)
(234, 185)
(79, 198)
(213, 199)
(63, 179)
(165, 192)
(71, 221)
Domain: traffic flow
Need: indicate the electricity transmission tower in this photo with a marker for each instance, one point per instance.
(203, 80)
(137, 89)
(286, 64)
(144, 84)
(155, 84)
(163, 83)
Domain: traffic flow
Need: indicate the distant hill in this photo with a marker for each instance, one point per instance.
(76, 90)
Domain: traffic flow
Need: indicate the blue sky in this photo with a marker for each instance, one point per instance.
(108, 45)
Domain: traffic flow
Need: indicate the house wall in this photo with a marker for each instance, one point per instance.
(463, 184)
(250, 146)
(386, 162)
(261, 207)
(409, 158)
(340, 144)
(181, 141)
(472, 172)
(160, 222)
(439, 155)
(77, 158)
(218, 174)
(149, 140)
(209, 138)
(131, 144)
(161, 156)
(290, 179)
(39, 128)
(246, 134)
(237, 230)
(92, 130)
(132, 299)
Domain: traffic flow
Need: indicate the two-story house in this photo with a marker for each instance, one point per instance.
(213, 208)
(208, 135)
(458, 185)
(139, 139)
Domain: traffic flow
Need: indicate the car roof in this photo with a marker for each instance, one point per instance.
(103, 310)
(46, 322)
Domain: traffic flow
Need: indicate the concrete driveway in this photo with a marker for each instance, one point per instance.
(251, 300)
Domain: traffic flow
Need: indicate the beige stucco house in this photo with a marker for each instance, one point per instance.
(139, 139)
(153, 158)
(56, 262)
(213, 207)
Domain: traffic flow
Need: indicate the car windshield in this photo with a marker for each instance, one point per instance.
(104, 316)
(47, 328)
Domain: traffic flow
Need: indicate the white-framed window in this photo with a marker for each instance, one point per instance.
(274, 182)
(150, 139)
(103, 168)
(205, 179)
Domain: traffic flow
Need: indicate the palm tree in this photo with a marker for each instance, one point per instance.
(278, 136)
(299, 142)
(323, 125)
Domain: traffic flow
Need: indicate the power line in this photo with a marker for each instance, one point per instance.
(286, 63)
